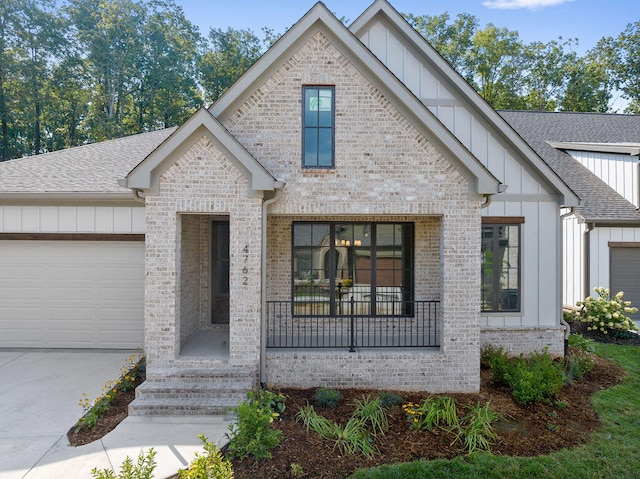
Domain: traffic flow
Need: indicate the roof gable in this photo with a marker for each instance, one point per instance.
(320, 19)
(456, 92)
(146, 174)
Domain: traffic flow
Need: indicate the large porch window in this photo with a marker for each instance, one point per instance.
(337, 265)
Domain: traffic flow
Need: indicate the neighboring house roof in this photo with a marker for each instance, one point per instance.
(202, 123)
(320, 19)
(466, 94)
(89, 170)
(599, 202)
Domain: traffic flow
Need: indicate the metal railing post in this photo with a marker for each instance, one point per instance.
(352, 343)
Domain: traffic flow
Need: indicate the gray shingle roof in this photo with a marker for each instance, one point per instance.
(599, 202)
(93, 168)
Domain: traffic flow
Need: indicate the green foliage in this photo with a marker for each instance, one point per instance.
(612, 451)
(252, 432)
(373, 414)
(390, 399)
(577, 365)
(210, 465)
(130, 373)
(580, 342)
(296, 469)
(607, 314)
(433, 413)
(352, 438)
(327, 397)
(477, 433)
(143, 469)
(531, 379)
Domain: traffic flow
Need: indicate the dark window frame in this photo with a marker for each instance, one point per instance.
(406, 271)
(318, 128)
(499, 299)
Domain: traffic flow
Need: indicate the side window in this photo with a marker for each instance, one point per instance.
(317, 126)
(500, 267)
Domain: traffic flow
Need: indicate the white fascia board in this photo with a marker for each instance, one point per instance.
(319, 19)
(631, 149)
(145, 175)
(421, 46)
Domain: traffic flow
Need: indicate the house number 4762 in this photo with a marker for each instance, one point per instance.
(245, 265)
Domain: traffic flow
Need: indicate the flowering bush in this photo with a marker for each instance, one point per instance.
(606, 314)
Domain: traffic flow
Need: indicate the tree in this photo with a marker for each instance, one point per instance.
(589, 85)
(232, 53)
(624, 53)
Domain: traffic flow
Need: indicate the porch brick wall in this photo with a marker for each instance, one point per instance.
(384, 169)
(190, 261)
(525, 340)
(201, 182)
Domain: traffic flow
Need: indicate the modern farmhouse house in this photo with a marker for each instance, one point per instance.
(349, 213)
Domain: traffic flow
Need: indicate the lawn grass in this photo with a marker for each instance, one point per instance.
(613, 452)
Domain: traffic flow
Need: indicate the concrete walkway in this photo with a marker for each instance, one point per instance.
(39, 396)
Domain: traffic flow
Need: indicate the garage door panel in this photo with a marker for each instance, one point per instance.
(625, 275)
(71, 294)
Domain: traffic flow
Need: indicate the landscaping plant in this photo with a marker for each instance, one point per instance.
(327, 397)
(210, 465)
(607, 314)
(477, 432)
(252, 432)
(373, 414)
(433, 413)
(143, 469)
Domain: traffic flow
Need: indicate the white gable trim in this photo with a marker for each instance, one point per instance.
(319, 19)
(145, 175)
(631, 149)
(382, 8)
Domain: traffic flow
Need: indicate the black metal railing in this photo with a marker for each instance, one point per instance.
(357, 324)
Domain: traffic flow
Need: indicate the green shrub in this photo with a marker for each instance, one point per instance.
(577, 365)
(252, 432)
(535, 379)
(390, 399)
(497, 360)
(580, 342)
(606, 314)
(143, 469)
(327, 397)
(210, 465)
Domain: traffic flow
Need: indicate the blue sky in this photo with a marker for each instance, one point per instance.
(535, 20)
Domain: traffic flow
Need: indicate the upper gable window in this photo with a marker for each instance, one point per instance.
(317, 126)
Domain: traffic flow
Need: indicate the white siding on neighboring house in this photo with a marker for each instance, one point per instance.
(72, 219)
(619, 171)
(573, 260)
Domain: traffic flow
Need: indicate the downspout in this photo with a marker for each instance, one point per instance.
(567, 328)
(263, 287)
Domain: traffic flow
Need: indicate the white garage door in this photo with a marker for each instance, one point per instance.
(625, 276)
(71, 294)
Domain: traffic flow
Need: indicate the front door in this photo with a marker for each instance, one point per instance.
(220, 273)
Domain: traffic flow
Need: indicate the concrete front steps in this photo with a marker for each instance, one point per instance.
(191, 392)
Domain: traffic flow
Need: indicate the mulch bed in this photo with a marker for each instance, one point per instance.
(526, 430)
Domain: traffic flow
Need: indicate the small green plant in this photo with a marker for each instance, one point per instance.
(476, 431)
(296, 469)
(561, 405)
(252, 432)
(327, 397)
(390, 399)
(373, 414)
(433, 413)
(143, 469)
(577, 365)
(210, 465)
(606, 314)
(578, 341)
(352, 438)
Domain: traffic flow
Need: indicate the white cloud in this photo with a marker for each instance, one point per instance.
(515, 4)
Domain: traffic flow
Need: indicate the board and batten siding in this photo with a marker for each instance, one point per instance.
(527, 194)
(72, 219)
(619, 171)
(573, 260)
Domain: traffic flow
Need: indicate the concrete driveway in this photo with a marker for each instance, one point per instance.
(39, 395)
